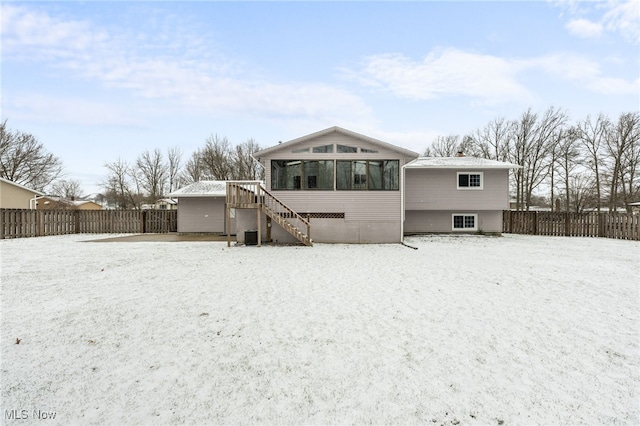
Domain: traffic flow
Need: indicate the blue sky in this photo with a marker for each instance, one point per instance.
(99, 81)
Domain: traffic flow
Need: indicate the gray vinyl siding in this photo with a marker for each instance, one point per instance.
(369, 216)
(436, 189)
(202, 215)
(421, 221)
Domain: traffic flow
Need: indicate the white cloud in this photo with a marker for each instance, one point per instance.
(487, 79)
(184, 72)
(624, 17)
(612, 16)
(444, 72)
(585, 28)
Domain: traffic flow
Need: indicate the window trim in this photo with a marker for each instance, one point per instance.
(464, 215)
(470, 188)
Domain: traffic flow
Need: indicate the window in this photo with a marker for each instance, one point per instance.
(318, 174)
(346, 149)
(470, 180)
(464, 222)
(367, 174)
(368, 151)
(298, 174)
(323, 148)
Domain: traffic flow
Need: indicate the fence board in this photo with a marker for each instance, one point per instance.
(21, 223)
(592, 224)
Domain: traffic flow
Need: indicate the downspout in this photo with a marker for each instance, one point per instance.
(35, 201)
(402, 183)
(402, 203)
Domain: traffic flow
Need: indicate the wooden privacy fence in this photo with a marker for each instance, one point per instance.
(20, 223)
(592, 224)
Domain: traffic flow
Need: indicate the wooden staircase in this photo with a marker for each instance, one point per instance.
(252, 195)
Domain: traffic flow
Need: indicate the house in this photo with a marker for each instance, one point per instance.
(346, 184)
(338, 186)
(50, 202)
(455, 194)
(16, 196)
(161, 204)
(202, 208)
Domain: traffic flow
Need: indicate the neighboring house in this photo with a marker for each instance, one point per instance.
(50, 202)
(16, 196)
(162, 204)
(87, 205)
(202, 208)
(455, 194)
(348, 184)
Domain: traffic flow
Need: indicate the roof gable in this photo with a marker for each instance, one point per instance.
(289, 145)
(17, 185)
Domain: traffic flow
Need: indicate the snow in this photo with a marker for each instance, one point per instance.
(464, 330)
(458, 162)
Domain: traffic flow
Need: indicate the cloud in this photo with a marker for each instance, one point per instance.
(176, 66)
(444, 72)
(487, 79)
(607, 17)
(584, 28)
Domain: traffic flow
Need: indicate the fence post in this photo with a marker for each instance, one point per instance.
(39, 222)
(143, 220)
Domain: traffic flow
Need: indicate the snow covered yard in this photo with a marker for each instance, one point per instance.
(464, 330)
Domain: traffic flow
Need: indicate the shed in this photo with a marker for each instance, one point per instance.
(202, 208)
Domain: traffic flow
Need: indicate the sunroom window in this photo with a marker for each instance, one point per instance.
(298, 174)
(367, 174)
(323, 149)
(346, 148)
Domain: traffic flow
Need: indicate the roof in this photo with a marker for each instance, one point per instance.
(458, 163)
(333, 129)
(21, 186)
(203, 188)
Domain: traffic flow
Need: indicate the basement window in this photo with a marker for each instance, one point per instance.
(464, 222)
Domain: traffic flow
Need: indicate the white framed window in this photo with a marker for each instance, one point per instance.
(464, 222)
(470, 180)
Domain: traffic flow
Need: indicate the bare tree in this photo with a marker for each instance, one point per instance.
(621, 145)
(245, 167)
(24, 160)
(216, 159)
(174, 158)
(153, 174)
(122, 185)
(592, 135)
(444, 146)
(567, 160)
(193, 169)
(492, 141)
(533, 141)
(70, 189)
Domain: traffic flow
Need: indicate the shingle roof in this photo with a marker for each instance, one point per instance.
(458, 163)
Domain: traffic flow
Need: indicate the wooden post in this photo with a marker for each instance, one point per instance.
(258, 212)
(309, 227)
(268, 228)
(228, 213)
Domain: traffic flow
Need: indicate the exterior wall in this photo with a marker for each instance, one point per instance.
(436, 189)
(203, 215)
(421, 221)
(369, 216)
(14, 197)
(323, 230)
